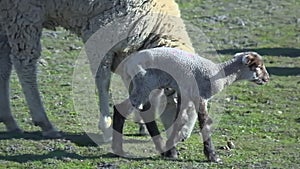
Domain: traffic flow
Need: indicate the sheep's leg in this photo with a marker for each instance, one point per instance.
(103, 77)
(25, 51)
(5, 71)
(205, 123)
(174, 137)
(172, 142)
(142, 126)
(169, 114)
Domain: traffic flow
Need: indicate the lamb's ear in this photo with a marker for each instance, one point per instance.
(239, 54)
(246, 59)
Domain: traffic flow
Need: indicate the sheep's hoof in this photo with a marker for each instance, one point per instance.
(51, 134)
(120, 153)
(214, 158)
(172, 153)
(107, 135)
(105, 123)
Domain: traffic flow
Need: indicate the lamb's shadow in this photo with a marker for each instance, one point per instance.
(159, 158)
(285, 52)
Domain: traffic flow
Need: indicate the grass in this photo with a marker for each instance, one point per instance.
(262, 121)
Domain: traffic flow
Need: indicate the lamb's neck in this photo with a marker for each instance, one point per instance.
(229, 71)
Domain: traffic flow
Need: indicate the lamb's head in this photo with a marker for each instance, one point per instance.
(255, 69)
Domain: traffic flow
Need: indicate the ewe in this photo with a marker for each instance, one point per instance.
(149, 24)
(195, 79)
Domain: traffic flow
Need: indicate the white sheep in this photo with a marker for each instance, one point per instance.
(149, 23)
(194, 78)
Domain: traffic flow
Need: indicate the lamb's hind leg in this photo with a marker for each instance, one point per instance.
(5, 71)
(25, 51)
(205, 124)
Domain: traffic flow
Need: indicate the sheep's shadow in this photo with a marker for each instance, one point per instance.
(57, 154)
(284, 52)
(80, 139)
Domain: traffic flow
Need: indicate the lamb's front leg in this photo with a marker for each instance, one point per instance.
(121, 112)
(25, 51)
(117, 137)
(103, 77)
(5, 71)
(205, 126)
(148, 118)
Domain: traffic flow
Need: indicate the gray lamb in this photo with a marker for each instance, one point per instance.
(194, 78)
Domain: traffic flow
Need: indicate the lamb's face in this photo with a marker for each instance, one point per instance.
(255, 70)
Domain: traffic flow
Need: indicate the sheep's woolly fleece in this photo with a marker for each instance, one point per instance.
(23, 20)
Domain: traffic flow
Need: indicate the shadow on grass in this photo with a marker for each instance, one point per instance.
(57, 154)
(287, 52)
(155, 158)
(80, 139)
(284, 71)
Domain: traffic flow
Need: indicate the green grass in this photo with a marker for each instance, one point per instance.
(262, 121)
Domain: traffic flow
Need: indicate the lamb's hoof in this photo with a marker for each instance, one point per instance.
(52, 134)
(172, 153)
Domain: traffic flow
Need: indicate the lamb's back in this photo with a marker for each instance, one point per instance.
(181, 61)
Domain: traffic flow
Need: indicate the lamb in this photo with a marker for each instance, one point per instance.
(195, 79)
(149, 24)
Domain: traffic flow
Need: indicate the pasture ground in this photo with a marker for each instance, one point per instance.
(262, 121)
